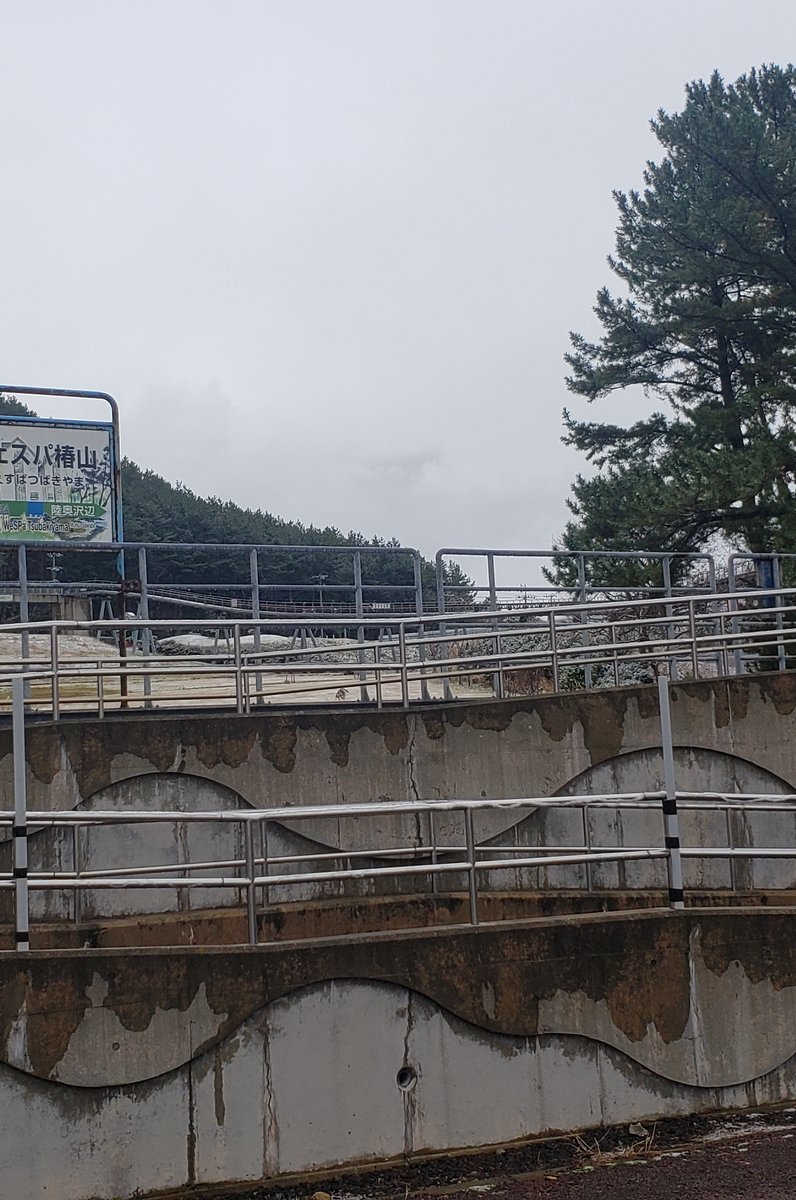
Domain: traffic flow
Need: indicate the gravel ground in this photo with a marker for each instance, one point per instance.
(749, 1156)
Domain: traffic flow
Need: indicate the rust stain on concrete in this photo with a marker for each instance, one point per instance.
(392, 728)
(739, 693)
(218, 1087)
(780, 689)
(93, 746)
(768, 953)
(223, 742)
(603, 717)
(496, 718)
(278, 744)
(91, 752)
(722, 707)
(54, 1002)
(44, 747)
(395, 733)
(434, 725)
(339, 741)
(558, 719)
(138, 988)
(12, 1003)
(637, 964)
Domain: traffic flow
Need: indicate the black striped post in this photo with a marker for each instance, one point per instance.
(671, 824)
(20, 828)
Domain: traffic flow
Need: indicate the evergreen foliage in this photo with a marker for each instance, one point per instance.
(705, 323)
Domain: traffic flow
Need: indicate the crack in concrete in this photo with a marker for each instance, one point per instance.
(410, 758)
(271, 1125)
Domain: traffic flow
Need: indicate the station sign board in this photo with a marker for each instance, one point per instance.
(57, 481)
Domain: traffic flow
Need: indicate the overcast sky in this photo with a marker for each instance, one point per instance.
(326, 253)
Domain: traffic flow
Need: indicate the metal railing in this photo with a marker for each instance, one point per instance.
(134, 664)
(257, 873)
(584, 568)
(456, 853)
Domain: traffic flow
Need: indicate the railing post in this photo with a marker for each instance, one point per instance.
(692, 633)
(671, 827)
(551, 621)
(584, 617)
(666, 566)
(432, 839)
(266, 898)
(439, 569)
(56, 699)
(728, 821)
(78, 906)
(472, 878)
(238, 674)
(377, 671)
(722, 667)
(402, 665)
(777, 575)
(417, 572)
(143, 612)
(735, 627)
(359, 604)
(24, 610)
(497, 677)
(122, 633)
(612, 634)
(20, 830)
(254, 575)
(442, 628)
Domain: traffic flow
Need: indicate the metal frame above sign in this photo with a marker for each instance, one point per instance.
(60, 480)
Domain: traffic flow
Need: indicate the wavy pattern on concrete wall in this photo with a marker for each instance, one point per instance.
(335, 1073)
(701, 999)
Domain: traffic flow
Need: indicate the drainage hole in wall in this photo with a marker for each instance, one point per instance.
(406, 1078)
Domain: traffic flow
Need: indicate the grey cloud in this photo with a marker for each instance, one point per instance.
(327, 255)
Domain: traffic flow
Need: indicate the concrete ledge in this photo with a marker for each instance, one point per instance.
(316, 919)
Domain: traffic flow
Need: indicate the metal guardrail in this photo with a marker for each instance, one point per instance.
(395, 660)
(257, 872)
(583, 565)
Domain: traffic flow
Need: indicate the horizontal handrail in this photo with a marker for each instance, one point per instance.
(260, 872)
(718, 801)
(397, 659)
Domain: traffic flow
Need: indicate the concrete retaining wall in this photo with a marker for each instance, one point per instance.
(733, 734)
(128, 1073)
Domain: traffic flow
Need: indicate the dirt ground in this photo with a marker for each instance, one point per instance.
(746, 1156)
(761, 1166)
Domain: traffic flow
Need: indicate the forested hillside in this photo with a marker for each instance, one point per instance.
(158, 511)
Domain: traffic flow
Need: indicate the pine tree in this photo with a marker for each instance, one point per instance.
(707, 325)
